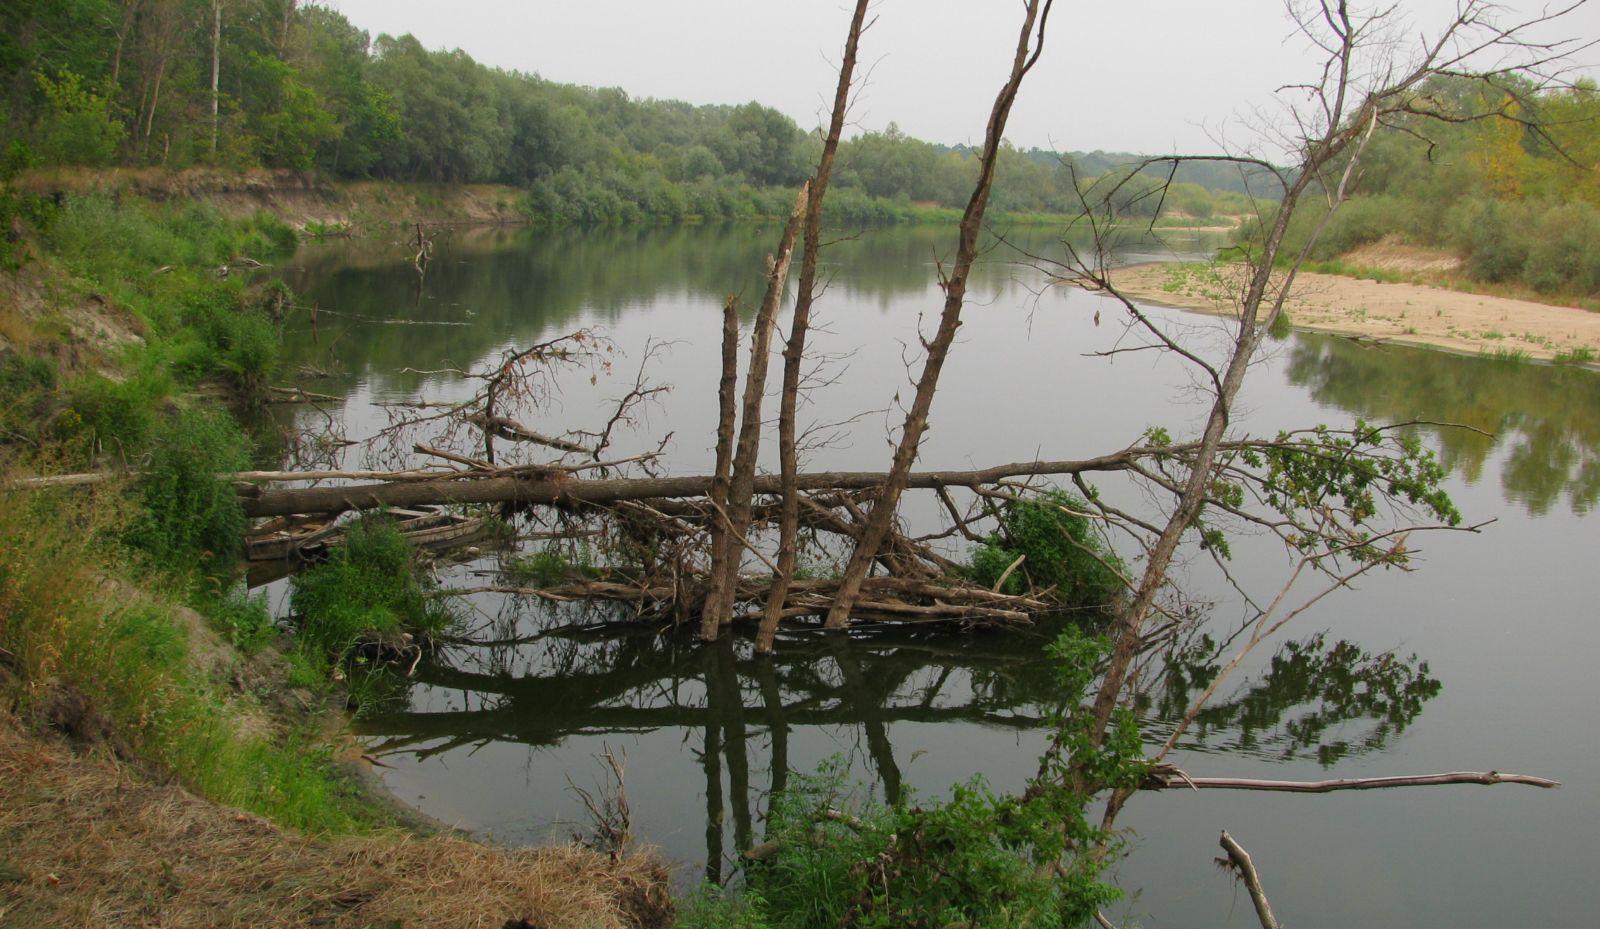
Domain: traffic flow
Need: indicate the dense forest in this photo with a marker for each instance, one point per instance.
(283, 84)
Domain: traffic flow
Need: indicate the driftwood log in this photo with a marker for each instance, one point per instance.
(560, 490)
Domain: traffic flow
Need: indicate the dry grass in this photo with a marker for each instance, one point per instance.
(87, 840)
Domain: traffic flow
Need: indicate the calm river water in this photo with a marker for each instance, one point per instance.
(1483, 658)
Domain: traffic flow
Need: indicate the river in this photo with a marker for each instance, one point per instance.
(1482, 658)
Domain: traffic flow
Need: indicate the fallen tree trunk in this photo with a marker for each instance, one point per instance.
(548, 491)
(1171, 780)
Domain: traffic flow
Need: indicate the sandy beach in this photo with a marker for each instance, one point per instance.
(1389, 312)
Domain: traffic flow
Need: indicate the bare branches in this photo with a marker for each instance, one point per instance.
(1245, 868)
(1029, 47)
(1170, 778)
(795, 347)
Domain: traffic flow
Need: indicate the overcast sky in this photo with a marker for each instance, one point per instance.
(1122, 75)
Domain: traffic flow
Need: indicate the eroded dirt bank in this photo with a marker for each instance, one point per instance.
(303, 200)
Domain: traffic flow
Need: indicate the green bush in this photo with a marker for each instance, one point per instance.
(113, 417)
(186, 511)
(1565, 253)
(1064, 555)
(367, 586)
(76, 127)
(976, 859)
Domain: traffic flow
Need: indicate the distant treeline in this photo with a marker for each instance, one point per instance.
(1516, 195)
(130, 82)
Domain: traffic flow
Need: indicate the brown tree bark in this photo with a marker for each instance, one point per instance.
(736, 515)
(563, 490)
(1036, 14)
(794, 349)
(726, 412)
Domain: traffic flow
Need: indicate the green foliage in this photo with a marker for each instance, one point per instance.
(110, 416)
(245, 621)
(27, 388)
(1512, 197)
(187, 512)
(976, 858)
(548, 567)
(76, 126)
(1348, 471)
(303, 88)
(366, 587)
(73, 614)
(1061, 553)
(161, 263)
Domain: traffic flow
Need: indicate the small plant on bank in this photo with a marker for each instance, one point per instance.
(187, 511)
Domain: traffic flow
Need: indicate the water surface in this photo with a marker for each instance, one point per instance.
(1481, 659)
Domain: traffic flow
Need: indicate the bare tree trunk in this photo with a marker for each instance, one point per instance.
(794, 349)
(155, 99)
(1246, 867)
(283, 37)
(129, 12)
(718, 494)
(736, 516)
(216, 63)
(955, 290)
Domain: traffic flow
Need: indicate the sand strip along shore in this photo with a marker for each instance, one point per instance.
(1409, 313)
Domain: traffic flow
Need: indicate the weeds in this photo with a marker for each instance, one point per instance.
(187, 511)
(87, 637)
(365, 594)
(976, 859)
(549, 567)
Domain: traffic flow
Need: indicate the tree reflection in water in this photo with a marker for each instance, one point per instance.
(1546, 416)
(1314, 699)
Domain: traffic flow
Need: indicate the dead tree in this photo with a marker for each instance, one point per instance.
(1030, 43)
(726, 413)
(794, 351)
(735, 521)
(1367, 80)
(1365, 83)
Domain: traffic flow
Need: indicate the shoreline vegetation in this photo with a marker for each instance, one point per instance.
(122, 339)
(144, 693)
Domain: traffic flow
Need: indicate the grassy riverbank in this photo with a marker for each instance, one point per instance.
(137, 679)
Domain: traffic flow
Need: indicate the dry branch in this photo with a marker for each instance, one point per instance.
(1166, 780)
(1246, 869)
